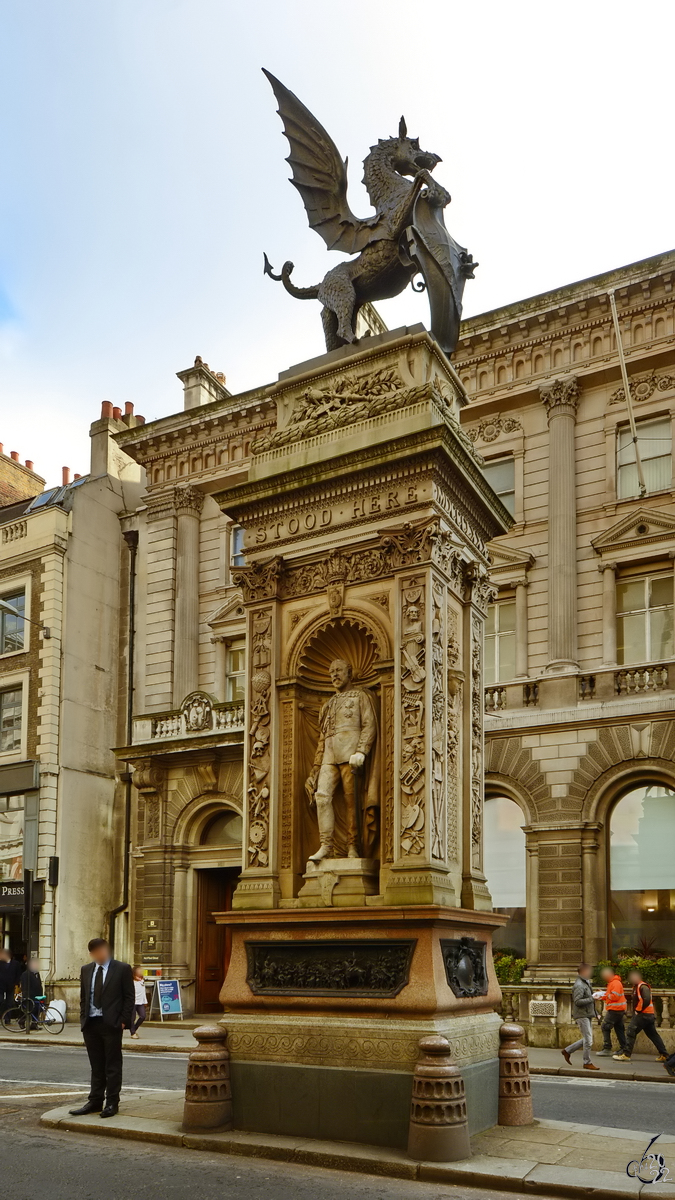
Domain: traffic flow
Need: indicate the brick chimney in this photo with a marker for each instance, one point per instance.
(17, 482)
(201, 385)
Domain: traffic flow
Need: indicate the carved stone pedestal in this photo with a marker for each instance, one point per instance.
(325, 1008)
(339, 883)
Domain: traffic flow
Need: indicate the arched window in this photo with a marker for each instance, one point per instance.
(224, 829)
(504, 864)
(642, 871)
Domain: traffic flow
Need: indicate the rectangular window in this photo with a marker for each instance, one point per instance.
(11, 837)
(237, 546)
(10, 720)
(500, 642)
(655, 446)
(501, 475)
(11, 624)
(644, 619)
(235, 685)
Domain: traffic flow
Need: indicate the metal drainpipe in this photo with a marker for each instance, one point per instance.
(131, 539)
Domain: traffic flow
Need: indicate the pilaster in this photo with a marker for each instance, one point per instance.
(560, 399)
(608, 572)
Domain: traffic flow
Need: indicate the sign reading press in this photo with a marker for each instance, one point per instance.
(11, 894)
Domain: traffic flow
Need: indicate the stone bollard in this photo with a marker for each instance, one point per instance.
(208, 1096)
(438, 1126)
(515, 1099)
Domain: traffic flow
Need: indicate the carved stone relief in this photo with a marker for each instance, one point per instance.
(454, 710)
(476, 738)
(322, 968)
(465, 966)
(197, 712)
(413, 678)
(259, 738)
(148, 779)
(491, 428)
(438, 722)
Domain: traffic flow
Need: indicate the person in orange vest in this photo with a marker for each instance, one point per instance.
(615, 1011)
(644, 1018)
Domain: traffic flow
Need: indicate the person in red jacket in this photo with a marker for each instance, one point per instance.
(615, 1011)
(644, 1018)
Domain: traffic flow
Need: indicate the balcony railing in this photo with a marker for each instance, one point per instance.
(190, 721)
(603, 685)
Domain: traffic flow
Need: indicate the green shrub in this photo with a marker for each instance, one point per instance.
(508, 968)
(657, 972)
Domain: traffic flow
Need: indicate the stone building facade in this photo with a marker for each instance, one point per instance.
(64, 569)
(580, 756)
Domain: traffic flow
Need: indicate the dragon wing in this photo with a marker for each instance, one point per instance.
(320, 176)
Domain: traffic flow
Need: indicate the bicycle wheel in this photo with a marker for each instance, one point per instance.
(14, 1020)
(51, 1020)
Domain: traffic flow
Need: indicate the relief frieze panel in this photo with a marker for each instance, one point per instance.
(413, 717)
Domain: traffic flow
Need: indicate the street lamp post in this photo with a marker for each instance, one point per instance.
(9, 608)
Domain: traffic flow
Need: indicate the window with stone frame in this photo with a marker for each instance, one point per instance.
(642, 872)
(655, 446)
(500, 642)
(12, 625)
(237, 558)
(501, 475)
(10, 720)
(644, 618)
(235, 671)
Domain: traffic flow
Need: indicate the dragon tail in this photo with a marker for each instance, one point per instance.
(309, 293)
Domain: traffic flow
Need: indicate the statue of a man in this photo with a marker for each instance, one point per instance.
(347, 734)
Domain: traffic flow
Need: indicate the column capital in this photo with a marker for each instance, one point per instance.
(179, 500)
(606, 566)
(561, 397)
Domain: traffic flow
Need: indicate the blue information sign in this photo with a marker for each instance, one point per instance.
(167, 996)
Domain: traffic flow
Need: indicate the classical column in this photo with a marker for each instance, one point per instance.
(532, 901)
(608, 571)
(188, 502)
(521, 628)
(594, 942)
(560, 399)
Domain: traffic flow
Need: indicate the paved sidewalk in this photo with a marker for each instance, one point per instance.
(642, 1067)
(547, 1158)
(153, 1037)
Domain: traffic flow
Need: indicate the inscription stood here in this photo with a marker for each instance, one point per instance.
(322, 968)
(386, 500)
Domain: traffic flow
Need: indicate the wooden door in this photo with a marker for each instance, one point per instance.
(215, 888)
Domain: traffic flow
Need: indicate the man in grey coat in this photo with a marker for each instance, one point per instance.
(583, 1011)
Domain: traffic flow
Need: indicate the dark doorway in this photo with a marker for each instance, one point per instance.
(215, 888)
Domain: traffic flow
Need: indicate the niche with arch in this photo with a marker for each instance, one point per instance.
(350, 639)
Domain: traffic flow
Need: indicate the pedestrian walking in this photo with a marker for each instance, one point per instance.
(583, 1011)
(106, 1009)
(643, 1019)
(140, 1001)
(615, 1010)
(32, 989)
(10, 973)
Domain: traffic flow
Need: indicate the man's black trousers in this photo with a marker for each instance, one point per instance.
(104, 1047)
(648, 1024)
(613, 1020)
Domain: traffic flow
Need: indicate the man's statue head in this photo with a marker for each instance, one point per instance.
(340, 673)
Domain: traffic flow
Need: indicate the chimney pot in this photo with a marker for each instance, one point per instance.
(128, 409)
(76, 477)
(106, 410)
(14, 454)
(29, 464)
(1, 448)
(139, 419)
(117, 414)
(65, 476)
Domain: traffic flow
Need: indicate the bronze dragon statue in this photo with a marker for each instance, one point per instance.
(406, 236)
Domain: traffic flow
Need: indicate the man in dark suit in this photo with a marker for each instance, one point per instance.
(106, 1009)
(10, 972)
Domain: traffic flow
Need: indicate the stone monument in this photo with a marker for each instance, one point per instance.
(362, 920)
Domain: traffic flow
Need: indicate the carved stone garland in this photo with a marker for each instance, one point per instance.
(413, 678)
(259, 739)
(438, 723)
(454, 709)
(476, 738)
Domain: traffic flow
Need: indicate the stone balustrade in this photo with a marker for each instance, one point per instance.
(223, 718)
(14, 532)
(604, 685)
(545, 1012)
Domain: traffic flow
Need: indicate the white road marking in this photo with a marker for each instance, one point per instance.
(76, 1083)
(40, 1095)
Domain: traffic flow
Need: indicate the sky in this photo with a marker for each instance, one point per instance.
(142, 176)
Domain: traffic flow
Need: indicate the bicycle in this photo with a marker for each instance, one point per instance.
(45, 1017)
